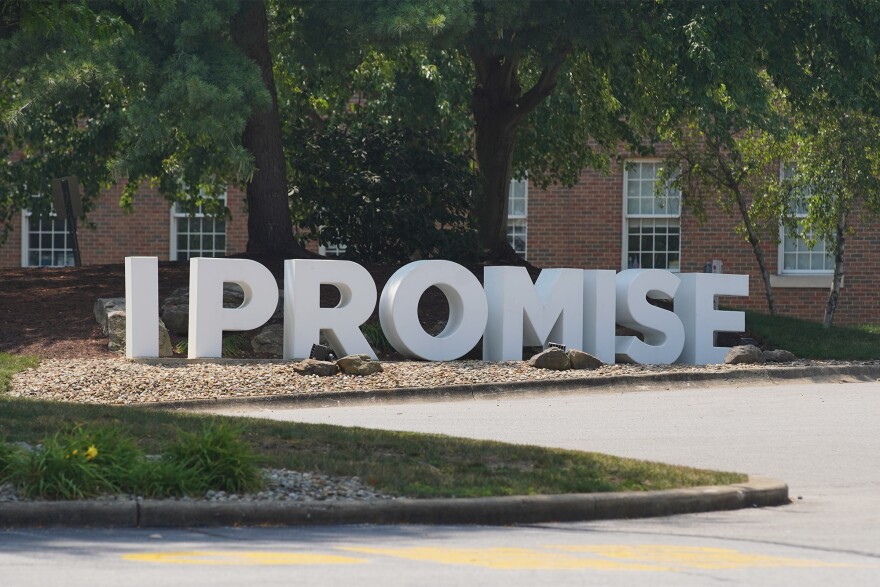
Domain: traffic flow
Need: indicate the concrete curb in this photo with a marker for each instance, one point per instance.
(632, 382)
(531, 509)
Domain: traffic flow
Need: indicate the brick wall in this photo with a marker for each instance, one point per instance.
(146, 230)
(582, 226)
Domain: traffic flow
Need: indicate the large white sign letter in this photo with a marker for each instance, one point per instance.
(663, 331)
(207, 316)
(522, 313)
(141, 307)
(599, 313)
(305, 319)
(694, 305)
(399, 310)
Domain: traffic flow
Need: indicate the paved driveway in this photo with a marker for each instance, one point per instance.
(822, 439)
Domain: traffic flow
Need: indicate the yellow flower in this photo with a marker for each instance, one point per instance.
(75, 452)
(91, 453)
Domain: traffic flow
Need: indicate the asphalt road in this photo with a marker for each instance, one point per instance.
(822, 439)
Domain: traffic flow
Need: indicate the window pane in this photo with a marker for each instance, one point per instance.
(653, 243)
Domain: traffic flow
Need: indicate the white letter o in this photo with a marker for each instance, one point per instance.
(399, 305)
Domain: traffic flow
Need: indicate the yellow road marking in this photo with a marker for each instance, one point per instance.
(599, 557)
(504, 558)
(691, 557)
(220, 557)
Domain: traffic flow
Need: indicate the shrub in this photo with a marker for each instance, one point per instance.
(218, 458)
(389, 194)
(83, 462)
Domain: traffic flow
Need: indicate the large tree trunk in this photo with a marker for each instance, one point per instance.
(270, 230)
(837, 281)
(495, 141)
(499, 106)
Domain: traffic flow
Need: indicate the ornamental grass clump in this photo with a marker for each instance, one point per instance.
(75, 463)
(82, 462)
(219, 458)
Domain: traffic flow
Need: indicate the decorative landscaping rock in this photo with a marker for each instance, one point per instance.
(115, 327)
(581, 360)
(270, 341)
(747, 353)
(116, 332)
(359, 365)
(315, 367)
(176, 319)
(779, 356)
(552, 358)
(175, 311)
(165, 348)
(103, 306)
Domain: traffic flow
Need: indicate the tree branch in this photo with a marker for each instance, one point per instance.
(543, 87)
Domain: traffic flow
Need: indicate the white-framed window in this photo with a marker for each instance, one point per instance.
(795, 257)
(517, 216)
(651, 218)
(196, 234)
(45, 241)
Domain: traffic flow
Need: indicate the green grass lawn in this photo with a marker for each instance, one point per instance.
(406, 464)
(810, 340)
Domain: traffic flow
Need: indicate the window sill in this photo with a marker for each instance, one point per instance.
(802, 281)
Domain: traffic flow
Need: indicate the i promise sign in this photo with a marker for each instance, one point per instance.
(576, 307)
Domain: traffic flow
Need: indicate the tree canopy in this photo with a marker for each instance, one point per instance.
(557, 85)
(165, 92)
(183, 94)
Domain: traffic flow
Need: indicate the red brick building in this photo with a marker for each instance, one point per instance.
(153, 228)
(614, 222)
(609, 221)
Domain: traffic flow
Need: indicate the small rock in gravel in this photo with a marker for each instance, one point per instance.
(315, 367)
(552, 358)
(358, 365)
(581, 360)
(744, 354)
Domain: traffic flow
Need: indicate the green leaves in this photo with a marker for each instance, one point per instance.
(385, 192)
(143, 91)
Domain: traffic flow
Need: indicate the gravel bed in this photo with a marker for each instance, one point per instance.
(281, 485)
(120, 381)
